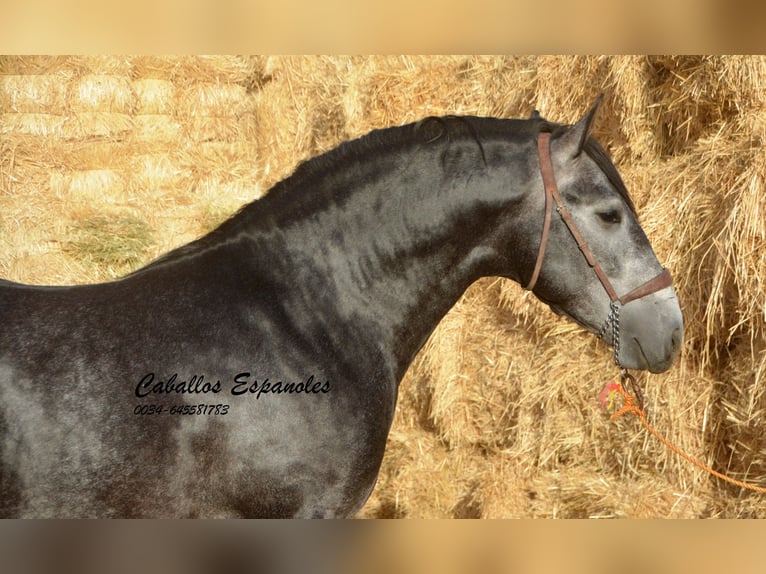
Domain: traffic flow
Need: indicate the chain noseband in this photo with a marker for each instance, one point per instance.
(552, 195)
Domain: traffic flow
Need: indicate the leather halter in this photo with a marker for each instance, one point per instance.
(552, 195)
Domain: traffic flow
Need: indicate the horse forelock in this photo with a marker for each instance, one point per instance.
(604, 163)
(600, 157)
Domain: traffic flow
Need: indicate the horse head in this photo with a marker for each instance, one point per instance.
(596, 265)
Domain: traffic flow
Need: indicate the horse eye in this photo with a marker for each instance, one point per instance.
(612, 216)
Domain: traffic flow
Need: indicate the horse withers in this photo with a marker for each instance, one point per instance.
(254, 372)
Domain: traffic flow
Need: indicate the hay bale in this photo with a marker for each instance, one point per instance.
(494, 419)
(154, 96)
(102, 93)
(31, 94)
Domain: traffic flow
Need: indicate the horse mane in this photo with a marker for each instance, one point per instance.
(349, 153)
(282, 200)
(285, 202)
(425, 131)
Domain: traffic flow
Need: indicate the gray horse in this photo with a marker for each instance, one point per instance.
(254, 372)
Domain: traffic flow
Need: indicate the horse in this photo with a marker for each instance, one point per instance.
(254, 371)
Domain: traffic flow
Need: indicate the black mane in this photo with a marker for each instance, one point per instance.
(289, 198)
(288, 195)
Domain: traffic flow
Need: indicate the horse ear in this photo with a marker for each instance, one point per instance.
(575, 137)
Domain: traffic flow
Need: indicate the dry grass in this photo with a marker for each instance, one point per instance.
(494, 419)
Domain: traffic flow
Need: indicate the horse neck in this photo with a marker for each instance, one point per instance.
(392, 248)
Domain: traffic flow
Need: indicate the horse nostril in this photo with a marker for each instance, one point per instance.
(676, 339)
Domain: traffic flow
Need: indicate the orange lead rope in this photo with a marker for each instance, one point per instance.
(629, 406)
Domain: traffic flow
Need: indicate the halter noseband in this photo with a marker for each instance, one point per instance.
(655, 284)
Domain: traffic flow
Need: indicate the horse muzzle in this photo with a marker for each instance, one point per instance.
(651, 332)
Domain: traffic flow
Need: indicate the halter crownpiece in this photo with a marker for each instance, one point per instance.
(660, 281)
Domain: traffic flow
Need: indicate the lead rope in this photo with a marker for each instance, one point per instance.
(629, 406)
